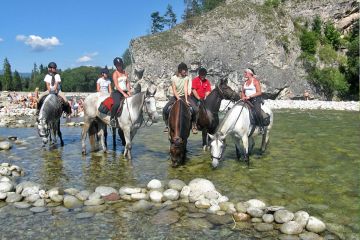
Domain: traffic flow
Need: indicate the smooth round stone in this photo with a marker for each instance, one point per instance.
(203, 203)
(39, 203)
(274, 208)
(83, 195)
(32, 197)
(214, 208)
(199, 186)
(165, 218)
(38, 209)
(256, 220)
(283, 216)
(57, 198)
(176, 184)
(13, 197)
(3, 195)
(6, 187)
(84, 215)
(263, 227)
(256, 203)
(219, 220)
(291, 228)
(112, 197)
(185, 192)
(156, 196)
(315, 225)
(139, 196)
(301, 217)
(154, 184)
(241, 217)
(71, 191)
(309, 236)
(94, 202)
(31, 188)
(268, 218)
(4, 164)
(5, 145)
(5, 179)
(141, 206)
(212, 195)
(72, 202)
(95, 209)
(255, 212)
(53, 204)
(104, 191)
(241, 207)
(222, 199)
(129, 190)
(171, 194)
(59, 209)
(94, 195)
(22, 205)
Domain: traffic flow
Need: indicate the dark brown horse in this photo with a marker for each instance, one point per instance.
(208, 119)
(179, 131)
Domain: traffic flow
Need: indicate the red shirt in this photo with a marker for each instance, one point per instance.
(201, 87)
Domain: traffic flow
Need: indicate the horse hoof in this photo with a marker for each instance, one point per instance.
(83, 152)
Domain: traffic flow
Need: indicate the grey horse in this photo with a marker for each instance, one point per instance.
(49, 119)
(129, 121)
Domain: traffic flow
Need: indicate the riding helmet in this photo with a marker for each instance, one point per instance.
(118, 62)
(182, 66)
(105, 71)
(52, 65)
(202, 71)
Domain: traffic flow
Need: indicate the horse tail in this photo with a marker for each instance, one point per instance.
(92, 131)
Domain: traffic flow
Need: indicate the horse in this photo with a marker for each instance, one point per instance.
(237, 123)
(49, 119)
(131, 116)
(179, 131)
(208, 119)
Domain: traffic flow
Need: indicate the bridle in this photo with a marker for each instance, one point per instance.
(147, 96)
(221, 154)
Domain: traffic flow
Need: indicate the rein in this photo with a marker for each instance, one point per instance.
(146, 111)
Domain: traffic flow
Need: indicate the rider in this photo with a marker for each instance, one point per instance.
(122, 88)
(179, 84)
(251, 91)
(103, 84)
(200, 89)
(53, 85)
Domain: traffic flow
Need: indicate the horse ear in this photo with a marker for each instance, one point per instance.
(212, 137)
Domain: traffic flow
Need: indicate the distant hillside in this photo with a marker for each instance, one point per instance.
(24, 75)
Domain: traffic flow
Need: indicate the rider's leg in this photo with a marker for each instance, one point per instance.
(195, 111)
(166, 112)
(42, 95)
(67, 107)
(116, 96)
(257, 106)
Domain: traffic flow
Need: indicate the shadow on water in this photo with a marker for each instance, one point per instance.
(312, 164)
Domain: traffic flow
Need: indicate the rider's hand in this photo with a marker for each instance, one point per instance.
(187, 102)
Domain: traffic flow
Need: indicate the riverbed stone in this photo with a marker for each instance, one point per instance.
(301, 217)
(56, 198)
(176, 184)
(5, 179)
(3, 195)
(71, 191)
(13, 197)
(195, 224)
(288, 237)
(310, 236)
(241, 207)
(241, 217)
(4, 171)
(94, 195)
(94, 202)
(222, 199)
(72, 202)
(129, 190)
(315, 225)
(83, 195)
(5, 145)
(84, 215)
(219, 220)
(141, 206)
(263, 227)
(139, 196)
(171, 194)
(268, 218)
(256, 203)
(213, 208)
(203, 203)
(112, 197)
(198, 187)
(291, 228)
(39, 203)
(283, 216)
(22, 205)
(154, 184)
(165, 218)
(59, 209)
(95, 209)
(255, 212)
(185, 192)
(37, 209)
(104, 191)
(6, 187)
(272, 209)
(32, 197)
(156, 196)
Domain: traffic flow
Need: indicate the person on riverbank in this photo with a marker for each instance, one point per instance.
(121, 90)
(251, 91)
(103, 84)
(53, 85)
(179, 85)
(200, 89)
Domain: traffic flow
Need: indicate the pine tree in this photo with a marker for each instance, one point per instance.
(157, 22)
(170, 17)
(192, 8)
(34, 73)
(7, 83)
(17, 81)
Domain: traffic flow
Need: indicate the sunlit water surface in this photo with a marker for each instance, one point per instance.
(311, 164)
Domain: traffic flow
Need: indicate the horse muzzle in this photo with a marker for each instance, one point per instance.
(154, 117)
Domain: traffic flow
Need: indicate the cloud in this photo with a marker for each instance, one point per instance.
(38, 43)
(87, 57)
(1, 40)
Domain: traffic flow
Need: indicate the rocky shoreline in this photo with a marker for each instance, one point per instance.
(172, 201)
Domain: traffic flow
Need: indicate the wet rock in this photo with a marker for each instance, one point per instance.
(176, 184)
(195, 215)
(53, 204)
(43, 194)
(198, 187)
(56, 198)
(301, 217)
(5, 179)
(84, 215)
(83, 195)
(165, 218)
(283, 216)
(94, 202)
(256, 220)
(4, 171)
(202, 203)
(22, 205)
(241, 217)
(32, 197)
(315, 225)
(171, 194)
(6, 187)
(27, 188)
(95, 209)
(256, 203)
(255, 212)
(310, 236)
(196, 224)
(227, 207)
(154, 184)
(39, 203)
(243, 226)
(141, 206)
(156, 196)
(185, 192)
(2, 195)
(59, 209)
(139, 196)
(263, 227)
(55, 191)
(112, 197)
(222, 199)
(129, 190)
(213, 209)
(241, 207)
(291, 228)
(94, 195)
(13, 197)
(38, 209)
(212, 195)
(288, 237)
(72, 202)
(273, 209)
(104, 191)
(71, 191)
(5, 145)
(126, 197)
(268, 218)
(219, 220)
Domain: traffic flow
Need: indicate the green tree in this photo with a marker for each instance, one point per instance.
(308, 42)
(192, 8)
(7, 83)
(332, 35)
(157, 22)
(352, 71)
(317, 25)
(126, 58)
(17, 81)
(209, 5)
(170, 17)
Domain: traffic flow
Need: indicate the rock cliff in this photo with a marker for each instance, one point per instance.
(234, 36)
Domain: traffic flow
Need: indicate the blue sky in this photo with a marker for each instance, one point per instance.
(74, 32)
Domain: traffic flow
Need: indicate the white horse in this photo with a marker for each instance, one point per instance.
(129, 120)
(237, 123)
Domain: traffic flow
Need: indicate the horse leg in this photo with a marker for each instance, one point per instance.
(251, 145)
(127, 151)
(60, 134)
(101, 134)
(245, 141)
(122, 137)
(105, 135)
(238, 149)
(83, 136)
(114, 138)
(205, 139)
(265, 139)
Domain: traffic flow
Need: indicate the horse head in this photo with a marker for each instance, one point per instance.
(150, 103)
(226, 91)
(217, 146)
(177, 152)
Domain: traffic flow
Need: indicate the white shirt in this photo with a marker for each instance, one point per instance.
(122, 82)
(48, 79)
(104, 85)
(250, 89)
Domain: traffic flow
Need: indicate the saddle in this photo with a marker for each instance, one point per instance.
(254, 118)
(106, 106)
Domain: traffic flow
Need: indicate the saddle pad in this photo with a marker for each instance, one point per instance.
(106, 106)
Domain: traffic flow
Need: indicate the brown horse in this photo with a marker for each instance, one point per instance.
(208, 119)
(179, 131)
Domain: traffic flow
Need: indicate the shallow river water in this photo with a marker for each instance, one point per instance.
(311, 164)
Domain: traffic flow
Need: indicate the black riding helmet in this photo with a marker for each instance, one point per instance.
(52, 65)
(182, 66)
(202, 72)
(118, 62)
(105, 71)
